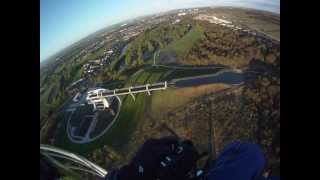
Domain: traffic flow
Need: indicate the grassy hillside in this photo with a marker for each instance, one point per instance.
(165, 101)
(235, 49)
(141, 49)
(182, 46)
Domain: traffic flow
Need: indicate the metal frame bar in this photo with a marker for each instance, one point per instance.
(49, 150)
(132, 90)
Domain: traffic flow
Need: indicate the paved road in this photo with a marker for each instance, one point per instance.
(227, 77)
(91, 128)
(190, 68)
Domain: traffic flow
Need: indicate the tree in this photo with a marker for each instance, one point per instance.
(128, 59)
(150, 47)
(140, 56)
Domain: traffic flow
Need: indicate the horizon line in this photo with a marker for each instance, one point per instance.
(128, 19)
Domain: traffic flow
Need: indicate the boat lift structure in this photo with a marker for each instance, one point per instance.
(100, 97)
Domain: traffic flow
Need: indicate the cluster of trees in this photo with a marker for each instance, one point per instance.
(53, 84)
(224, 46)
(143, 47)
(264, 94)
(105, 157)
(253, 113)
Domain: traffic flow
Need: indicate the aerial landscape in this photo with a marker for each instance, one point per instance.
(208, 74)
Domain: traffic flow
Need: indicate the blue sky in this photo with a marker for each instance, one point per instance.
(63, 22)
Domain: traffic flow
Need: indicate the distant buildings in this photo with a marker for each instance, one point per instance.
(131, 31)
(176, 21)
(215, 20)
(92, 66)
(182, 14)
(212, 19)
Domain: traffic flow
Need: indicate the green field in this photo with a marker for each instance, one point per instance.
(164, 101)
(182, 46)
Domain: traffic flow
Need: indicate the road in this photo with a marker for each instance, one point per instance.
(230, 77)
(91, 127)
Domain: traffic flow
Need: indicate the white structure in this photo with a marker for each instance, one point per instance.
(102, 98)
(110, 52)
(76, 97)
(212, 19)
(176, 21)
(75, 83)
(182, 14)
(98, 102)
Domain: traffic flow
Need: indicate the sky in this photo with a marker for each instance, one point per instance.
(63, 22)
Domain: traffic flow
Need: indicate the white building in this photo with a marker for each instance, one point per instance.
(212, 19)
(110, 52)
(182, 14)
(176, 21)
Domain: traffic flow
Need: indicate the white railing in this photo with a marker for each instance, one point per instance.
(148, 88)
